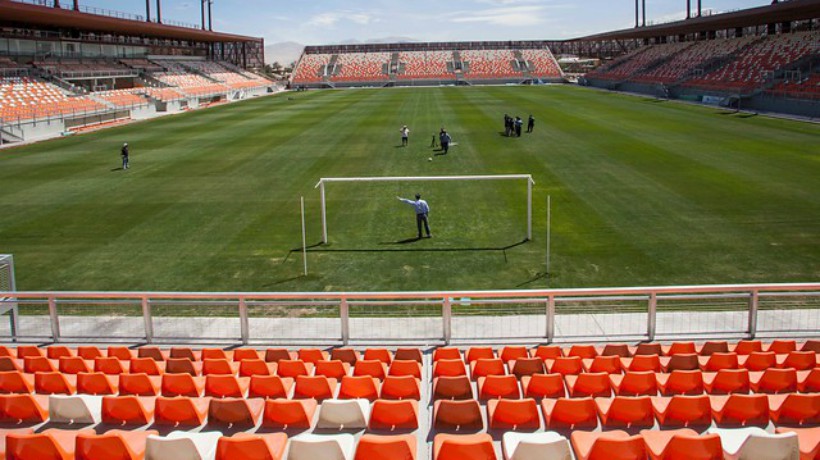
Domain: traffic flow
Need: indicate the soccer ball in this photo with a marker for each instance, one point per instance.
(430, 159)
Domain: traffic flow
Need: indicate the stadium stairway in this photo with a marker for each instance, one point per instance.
(682, 400)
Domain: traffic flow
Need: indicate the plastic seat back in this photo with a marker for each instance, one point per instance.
(390, 447)
(457, 387)
(513, 414)
(394, 415)
(362, 387)
(463, 447)
(498, 386)
(114, 444)
(589, 384)
(739, 409)
(345, 355)
(182, 385)
(402, 367)
(316, 387)
(683, 411)
(288, 413)
(181, 410)
(570, 365)
(124, 410)
(583, 351)
(379, 354)
(543, 386)
(334, 369)
(235, 411)
(449, 368)
(625, 411)
(252, 446)
(457, 415)
(400, 387)
(343, 414)
(576, 413)
(269, 386)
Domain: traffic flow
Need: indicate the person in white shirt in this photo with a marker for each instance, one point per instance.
(422, 210)
(405, 134)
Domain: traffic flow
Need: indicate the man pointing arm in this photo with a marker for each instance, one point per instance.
(422, 210)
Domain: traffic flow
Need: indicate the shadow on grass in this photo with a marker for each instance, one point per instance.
(418, 249)
(117, 169)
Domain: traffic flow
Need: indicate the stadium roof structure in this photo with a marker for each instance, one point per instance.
(793, 10)
(37, 15)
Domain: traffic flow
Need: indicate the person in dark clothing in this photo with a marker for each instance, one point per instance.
(124, 154)
(518, 124)
(445, 139)
(530, 123)
(507, 119)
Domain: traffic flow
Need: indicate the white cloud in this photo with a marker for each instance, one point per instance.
(512, 16)
(331, 18)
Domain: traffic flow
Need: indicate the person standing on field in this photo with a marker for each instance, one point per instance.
(124, 154)
(530, 123)
(445, 139)
(518, 123)
(405, 134)
(422, 210)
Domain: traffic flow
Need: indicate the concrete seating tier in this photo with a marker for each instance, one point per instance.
(26, 98)
(489, 64)
(542, 62)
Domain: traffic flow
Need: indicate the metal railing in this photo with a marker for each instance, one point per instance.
(525, 316)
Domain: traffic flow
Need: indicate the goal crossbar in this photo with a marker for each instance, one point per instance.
(325, 180)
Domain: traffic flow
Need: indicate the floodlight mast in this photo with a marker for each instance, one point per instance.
(321, 186)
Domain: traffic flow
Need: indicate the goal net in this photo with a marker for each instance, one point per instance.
(469, 210)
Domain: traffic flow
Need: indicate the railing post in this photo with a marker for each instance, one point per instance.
(146, 317)
(243, 321)
(344, 313)
(447, 317)
(653, 316)
(754, 301)
(55, 322)
(550, 319)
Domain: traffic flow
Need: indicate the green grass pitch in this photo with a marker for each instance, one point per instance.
(644, 192)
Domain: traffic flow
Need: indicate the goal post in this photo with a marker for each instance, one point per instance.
(327, 180)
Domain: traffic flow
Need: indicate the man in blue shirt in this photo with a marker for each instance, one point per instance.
(422, 209)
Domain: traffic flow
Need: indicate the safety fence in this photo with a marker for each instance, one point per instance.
(525, 316)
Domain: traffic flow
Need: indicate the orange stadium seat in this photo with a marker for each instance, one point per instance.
(583, 351)
(126, 410)
(121, 353)
(32, 364)
(269, 446)
(648, 348)
(625, 411)
(269, 386)
(565, 366)
(183, 366)
(474, 353)
(29, 351)
(289, 414)
(498, 386)
(16, 382)
(795, 409)
(152, 352)
(59, 351)
(638, 362)
(546, 352)
(575, 413)
(23, 408)
(449, 368)
(457, 387)
(400, 387)
(97, 383)
(738, 409)
(312, 355)
(616, 349)
(634, 383)
(140, 384)
(682, 444)
(746, 347)
(274, 355)
(182, 385)
(215, 353)
(527, 366)
(513, 414)
(316, 387)
(781, 346)
(380, 354)
(335, 369)
(113, 444)
(406, 354)
(359, 387)
(483, 367)
(759, 360)
(808, 439)
(809, 381)
(50, 444)
(588, 384)
(345, 355)
(226, 386)
(55, 383)
(184, 352)
(89, 352)
(682, 410)
(394, 415)
(711, 347)
(607, 445)
(386, 447)
(608, 364)
(74, 365)
(371, 367)
(293, 368)
(680, 383)
(457, 415)
(219, 366)
(241, 354)
(774, 381)
(726, 381)
(181, 411)
(511, 353)
(250, 367)
(680, 361)
(718, 361)
(446, 353)
(544, 386)
(402, 367)
(110, 366)
(235, 411)
(463, 447)
(800, 360)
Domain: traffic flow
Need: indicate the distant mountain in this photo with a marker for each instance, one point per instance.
(353, 41)
(283, 52)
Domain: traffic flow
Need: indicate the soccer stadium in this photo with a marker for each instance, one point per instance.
(466, 245)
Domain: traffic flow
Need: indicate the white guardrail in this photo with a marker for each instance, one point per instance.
(523, 316)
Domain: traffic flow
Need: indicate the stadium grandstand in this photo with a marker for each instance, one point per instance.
(325, 369)
(119, 67)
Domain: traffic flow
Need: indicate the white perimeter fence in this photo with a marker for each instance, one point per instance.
(525, 316)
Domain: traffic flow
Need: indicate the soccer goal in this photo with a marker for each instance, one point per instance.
(527, 178)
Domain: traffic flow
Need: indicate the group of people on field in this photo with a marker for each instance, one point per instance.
(513, 125)
(442, 138)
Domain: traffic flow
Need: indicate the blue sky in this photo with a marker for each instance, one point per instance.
(315, 22)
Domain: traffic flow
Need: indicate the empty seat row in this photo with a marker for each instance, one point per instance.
(680, 444)
(381, 415)
(627, 412)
